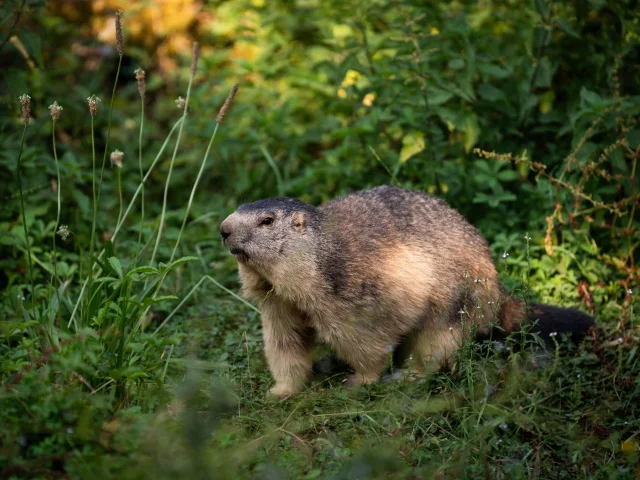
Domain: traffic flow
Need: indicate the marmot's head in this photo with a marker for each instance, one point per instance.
(265, 233)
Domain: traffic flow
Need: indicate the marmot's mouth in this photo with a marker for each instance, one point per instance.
(239, 253)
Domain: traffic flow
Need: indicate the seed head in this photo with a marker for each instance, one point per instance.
(227, 104)
(180, 103)
(194, 58)
(142, 84)
(116, 158)
(93, 102)
(119, 39)
(55, 110)
(63, 232)
(25, 102)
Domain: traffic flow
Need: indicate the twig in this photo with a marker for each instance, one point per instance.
(15, 22)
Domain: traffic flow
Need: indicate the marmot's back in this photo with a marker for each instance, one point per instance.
(393, 213)
(405, 234)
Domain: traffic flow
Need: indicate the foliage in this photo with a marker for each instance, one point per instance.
(130, 353)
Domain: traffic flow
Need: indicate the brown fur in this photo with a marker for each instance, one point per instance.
(363, 273)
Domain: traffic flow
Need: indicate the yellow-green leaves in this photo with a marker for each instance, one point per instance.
(412, 144)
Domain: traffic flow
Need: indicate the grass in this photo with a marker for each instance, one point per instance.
(202, 412)
(494, 417)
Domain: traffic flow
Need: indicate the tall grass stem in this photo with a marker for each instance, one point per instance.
(275, 169)
(95, 210)
(141, 176)
(119, 174)
(24, 221)
(193, 191)
(54, 260)
(173, 159)
(106, 142)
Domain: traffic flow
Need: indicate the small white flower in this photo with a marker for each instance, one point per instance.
(508, 349)
(180, 103)
(93, 102)
(410, 357)
(461, 312)
(63, 232)
(620, 340)
(55, 110)
(505, 255)
(504, 426)
(490, 302)
(451, 329)
(553, 334)
(466, 275)
(578, 376)
(527, 237)
(116, 158)
(630, 292)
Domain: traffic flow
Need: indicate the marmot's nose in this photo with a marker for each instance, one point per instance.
(225, 231)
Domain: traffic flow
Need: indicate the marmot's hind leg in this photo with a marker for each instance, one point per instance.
(367, 359)
(434, 347)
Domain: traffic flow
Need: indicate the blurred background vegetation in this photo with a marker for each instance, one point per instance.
(522, 115)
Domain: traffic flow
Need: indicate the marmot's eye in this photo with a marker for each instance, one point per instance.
(267, 221)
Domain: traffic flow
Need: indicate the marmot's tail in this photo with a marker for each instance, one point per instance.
(545, 319)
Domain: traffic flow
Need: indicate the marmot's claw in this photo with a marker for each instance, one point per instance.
(280, 393)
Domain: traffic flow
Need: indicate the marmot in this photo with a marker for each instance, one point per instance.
(366, 272)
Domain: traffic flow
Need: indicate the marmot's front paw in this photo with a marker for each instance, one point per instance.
(281, 392)
(359, 379)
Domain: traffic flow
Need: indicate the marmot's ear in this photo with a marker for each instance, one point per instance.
(298, 221)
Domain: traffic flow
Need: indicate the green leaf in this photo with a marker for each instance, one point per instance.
(471, 132)
(542, 8)
(438, 96)
(412, 144)
(507, 175)
(106, 279)
(177, 262)
(563, 25)
(493, 71)
(315, 473)
(545, 73)
(152, 301)
(140, 273)
(108, 249)
(589, 98)
(633, 137)
(456, 64)
(115, 264)
(490, 93)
